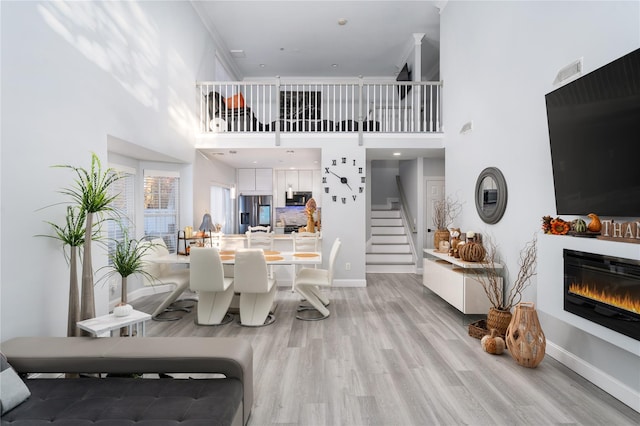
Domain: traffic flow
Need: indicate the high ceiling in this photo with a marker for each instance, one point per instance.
(323, 38)
(320, 39)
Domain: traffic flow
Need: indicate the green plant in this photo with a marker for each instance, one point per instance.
(128, 259)
(91, 193)
(72, 235)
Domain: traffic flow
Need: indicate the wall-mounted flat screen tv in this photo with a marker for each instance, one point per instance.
(594, 132)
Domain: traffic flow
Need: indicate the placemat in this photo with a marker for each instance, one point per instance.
(306, 254)
(271, 258)
(227, 252)
(270, 252)
(227, 257)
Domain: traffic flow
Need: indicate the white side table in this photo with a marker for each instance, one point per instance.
(103, 326)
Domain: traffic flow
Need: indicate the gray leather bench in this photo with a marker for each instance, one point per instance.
(126, 400)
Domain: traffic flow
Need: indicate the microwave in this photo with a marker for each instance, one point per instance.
(298, 198)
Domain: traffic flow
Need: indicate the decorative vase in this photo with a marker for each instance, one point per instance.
(440, 235)
(499, 320)
(311, 226)
(122, 310)
(525, 338)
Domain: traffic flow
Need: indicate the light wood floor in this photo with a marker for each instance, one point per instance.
(396, 354)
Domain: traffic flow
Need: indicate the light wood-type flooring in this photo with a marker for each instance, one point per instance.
(394, 353)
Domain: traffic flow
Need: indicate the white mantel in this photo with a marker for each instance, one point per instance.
(551, 282)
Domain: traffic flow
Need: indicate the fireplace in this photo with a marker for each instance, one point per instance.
(603, 289)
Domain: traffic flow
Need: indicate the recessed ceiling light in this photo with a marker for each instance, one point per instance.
(342, 21)
(262, 65)
(397, 154)
(334, 65)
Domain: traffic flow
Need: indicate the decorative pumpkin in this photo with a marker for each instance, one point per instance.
(471, 252)
(559, 226)
(493, 343)
(579, 225)
(594, 225)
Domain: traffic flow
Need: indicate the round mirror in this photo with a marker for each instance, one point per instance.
(491, 195)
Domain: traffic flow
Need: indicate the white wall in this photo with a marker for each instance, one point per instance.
(498, 60)
(383, 179)
(72, 73)
(207, 173)
(345, 221)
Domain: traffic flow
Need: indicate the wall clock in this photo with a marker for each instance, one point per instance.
(343, 180)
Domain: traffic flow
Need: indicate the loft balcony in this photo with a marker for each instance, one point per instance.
(324, 108)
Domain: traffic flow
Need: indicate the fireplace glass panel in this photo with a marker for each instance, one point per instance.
(603, 289)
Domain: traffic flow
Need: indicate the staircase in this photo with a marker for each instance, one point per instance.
(390, 251)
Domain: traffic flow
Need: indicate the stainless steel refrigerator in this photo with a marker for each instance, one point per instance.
(254, 210)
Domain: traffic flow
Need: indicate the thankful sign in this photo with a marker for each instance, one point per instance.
(620, 231)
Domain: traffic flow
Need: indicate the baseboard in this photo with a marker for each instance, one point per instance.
(349, 283)
(609, 384)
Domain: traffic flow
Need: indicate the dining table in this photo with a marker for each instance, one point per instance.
(273, 257)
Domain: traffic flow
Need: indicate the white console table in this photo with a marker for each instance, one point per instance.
(104, 325)
(454, 281)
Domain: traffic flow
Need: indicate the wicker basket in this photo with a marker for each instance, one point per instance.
(499, 320)
(478, 329)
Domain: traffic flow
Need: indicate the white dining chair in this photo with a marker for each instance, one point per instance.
(256, 287)
(157, 274)
(263, 240)
(305, 241)
(308, 283)
(215, 291)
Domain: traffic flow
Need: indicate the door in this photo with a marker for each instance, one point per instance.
(435, 192)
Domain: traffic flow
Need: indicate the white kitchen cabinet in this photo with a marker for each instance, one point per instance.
(264, 180)
(246, 180)
(291, 179)
(305, 180)
(259, 180)
(455, 281)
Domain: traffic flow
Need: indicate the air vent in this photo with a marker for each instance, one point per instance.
(237, 53)
(574, 69)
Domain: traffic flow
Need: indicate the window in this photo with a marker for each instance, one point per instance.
(161, 207)
(124, 206)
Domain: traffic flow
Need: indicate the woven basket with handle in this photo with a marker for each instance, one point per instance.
(499, 320)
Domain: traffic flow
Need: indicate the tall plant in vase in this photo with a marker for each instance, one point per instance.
(127, 259)
(444, 213)
(499, 315)
(71, 235)
(90, 193)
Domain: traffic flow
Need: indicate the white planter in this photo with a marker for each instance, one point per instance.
(122, 310)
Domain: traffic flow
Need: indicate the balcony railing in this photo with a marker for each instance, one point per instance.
(411, 107)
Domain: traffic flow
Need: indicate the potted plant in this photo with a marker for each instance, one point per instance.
(499, 315)
(444, 212)
(127, 259)
(72, 235)
(91, 194)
